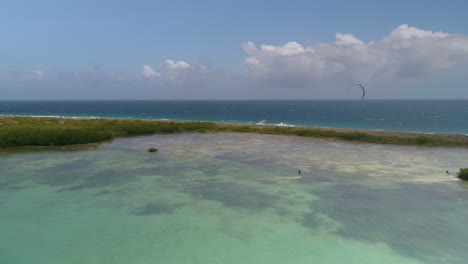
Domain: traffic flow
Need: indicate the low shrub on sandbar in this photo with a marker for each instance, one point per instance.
(463, 174)
(46, 131)
(50, 136)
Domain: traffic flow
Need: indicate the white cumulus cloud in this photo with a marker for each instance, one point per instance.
(169, 70)
(347, 39)
(405, 52)
(170, 64)
(149, 72)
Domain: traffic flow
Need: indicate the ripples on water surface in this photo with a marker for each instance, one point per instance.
(233, 198)
(433, 116)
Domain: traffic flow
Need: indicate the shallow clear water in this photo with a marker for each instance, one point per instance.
(233, 198)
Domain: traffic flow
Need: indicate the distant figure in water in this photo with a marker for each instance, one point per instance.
(299, 172)
(448, 173)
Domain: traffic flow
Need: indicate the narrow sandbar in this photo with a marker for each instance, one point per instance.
(18, 131)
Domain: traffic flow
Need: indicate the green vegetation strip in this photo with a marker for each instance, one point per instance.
(463, 174)
(48, 131)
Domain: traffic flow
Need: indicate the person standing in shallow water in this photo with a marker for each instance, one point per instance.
(299, 172)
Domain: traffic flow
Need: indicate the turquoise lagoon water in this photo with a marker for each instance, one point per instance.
(233, 198)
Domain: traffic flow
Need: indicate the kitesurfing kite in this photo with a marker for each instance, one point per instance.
(363, 91)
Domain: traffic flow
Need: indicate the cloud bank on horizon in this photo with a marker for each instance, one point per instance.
(405, 52)
(407, 55)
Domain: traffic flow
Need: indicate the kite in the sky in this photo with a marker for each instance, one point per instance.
(363, 91)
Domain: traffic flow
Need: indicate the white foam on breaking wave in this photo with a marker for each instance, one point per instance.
(54, 116)
(281, 124)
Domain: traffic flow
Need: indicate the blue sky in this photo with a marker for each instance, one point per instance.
(66, 49)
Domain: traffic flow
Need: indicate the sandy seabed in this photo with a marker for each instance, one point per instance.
(233, 198)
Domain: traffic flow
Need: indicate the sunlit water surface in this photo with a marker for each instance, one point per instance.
(233, 198)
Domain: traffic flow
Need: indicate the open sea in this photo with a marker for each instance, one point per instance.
(238, 198)
(429, 116)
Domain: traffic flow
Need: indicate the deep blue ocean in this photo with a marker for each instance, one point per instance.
(429, 116)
